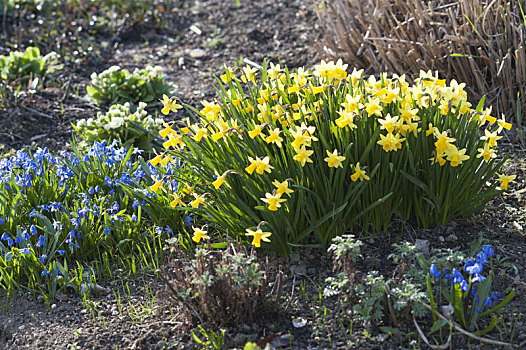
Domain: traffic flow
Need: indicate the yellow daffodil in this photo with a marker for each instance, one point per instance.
(491, 137)
(188, 189)
(227, 76)
(346, 119)
(197, 201)
(211, 110)
(199, 234)
(358, 173)
(455, 156)
(176, 201)
(302, 155)
(157, 185)
(220, 180)
(503, 124)
(389, 123)
(166, 131)
(505, 180)
(443, 141)
(274, 201)
(249, 74)
(169, 105)
(438, 159)
(257, 130)
(352, 104)
(155, 160)
(334, 160)
(259, 236)
(487, 153)
(259, 165)
(282, 187)
(274, 137)
(390, 142)
(373, 107)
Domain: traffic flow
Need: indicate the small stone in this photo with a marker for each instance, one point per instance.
(441, 239)
(197, 53)
(22, 327)
(451, 238)
(53, 306)
(180, 61)
(422, 245)
(298, 269)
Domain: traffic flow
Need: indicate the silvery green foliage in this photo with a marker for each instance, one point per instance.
(116, 85)
(119, 123)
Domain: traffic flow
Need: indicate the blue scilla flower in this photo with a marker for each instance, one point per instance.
(45, 273)
(189, 220)
(1, 221)
(55, 206)
(25, 251)
(61, 252)
(4, 237)
(488, 301)
(464, 286)
(479, 311)
(33, 230)
(42, 258)
(91, 190)
(169, 230)
(97, 189)
(18, 239)
(478, 278)
(41, 241)
(135, 204)
(107, 231)
(475, 269)
(134, 218)
(10, 241)
(457, 277)
(488, 250)
(33, 213)
(482, 258)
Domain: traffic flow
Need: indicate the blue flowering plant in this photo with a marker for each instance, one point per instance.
(466, 294)
(61, 215)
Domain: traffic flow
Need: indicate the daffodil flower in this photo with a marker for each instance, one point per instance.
(199, 234)
(334, 160)
(455, 156)
(197, 201)
(259, 236)
(274, 201)
(358, 173)
(282, 187)
(169, 105)
(505, 180)
(303, 155)
(487, 153)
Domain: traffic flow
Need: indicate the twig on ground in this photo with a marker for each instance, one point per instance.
(458, 328)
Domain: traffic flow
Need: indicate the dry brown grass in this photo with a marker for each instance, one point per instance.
(477, 42)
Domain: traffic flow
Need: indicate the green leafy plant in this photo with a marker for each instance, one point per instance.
(377, 302)
(118, 86)
(212, 340)
(119, 123)
(28, 65)
(315, 154)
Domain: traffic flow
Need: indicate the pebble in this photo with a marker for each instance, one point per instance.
(22, 327)
(197, 53)
(53, 306)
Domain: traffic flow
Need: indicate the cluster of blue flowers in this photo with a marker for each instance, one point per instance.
(69, 190)
(474, 268)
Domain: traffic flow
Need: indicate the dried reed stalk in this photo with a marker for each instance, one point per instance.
(479, 42)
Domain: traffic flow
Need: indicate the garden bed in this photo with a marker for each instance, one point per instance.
(134, 310)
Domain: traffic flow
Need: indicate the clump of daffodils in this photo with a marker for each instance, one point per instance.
(315, 153)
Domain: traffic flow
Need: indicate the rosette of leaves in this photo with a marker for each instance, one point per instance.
(117, 86)
(119, 123)
(29, 64)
